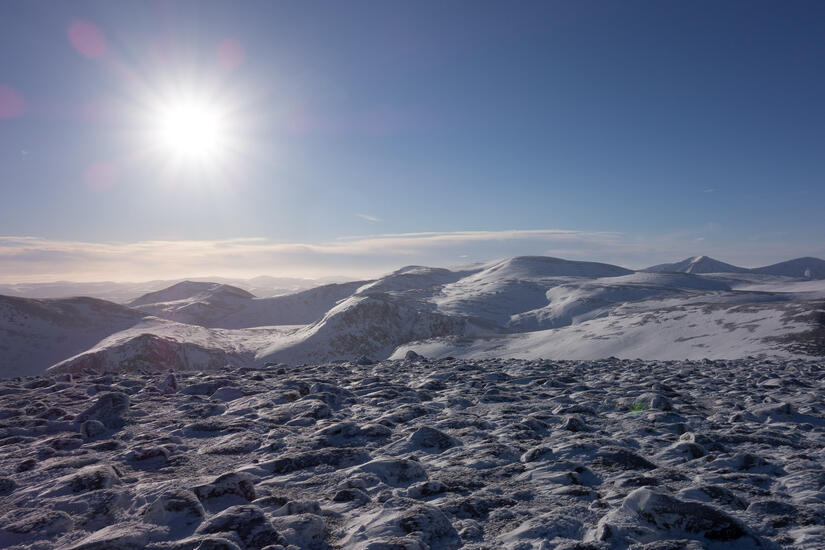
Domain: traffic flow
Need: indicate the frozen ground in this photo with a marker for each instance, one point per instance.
(415, 454)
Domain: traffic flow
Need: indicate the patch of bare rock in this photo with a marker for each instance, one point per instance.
(418, 454)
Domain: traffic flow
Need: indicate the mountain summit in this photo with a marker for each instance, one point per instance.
(697, 264)
(189, 290)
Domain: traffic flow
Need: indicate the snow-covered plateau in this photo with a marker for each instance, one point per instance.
(418, 454)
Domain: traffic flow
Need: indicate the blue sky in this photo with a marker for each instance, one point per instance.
(367, 135)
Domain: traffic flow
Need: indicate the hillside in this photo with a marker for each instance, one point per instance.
(799, 268)
(804, 268)
(527, 307)
(220, 306)
(35, 334)
(697, 265)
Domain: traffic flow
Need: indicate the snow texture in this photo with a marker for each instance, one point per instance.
(419, 453)
(525, 307)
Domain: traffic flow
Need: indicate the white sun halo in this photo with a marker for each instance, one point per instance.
(191, 130)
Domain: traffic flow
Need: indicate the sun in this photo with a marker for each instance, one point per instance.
(191, 130)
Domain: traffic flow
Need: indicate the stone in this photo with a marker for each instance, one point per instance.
(248, 522)
(109, 409)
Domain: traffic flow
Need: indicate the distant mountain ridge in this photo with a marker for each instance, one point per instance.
(806, 268)
(802, 268)
(124, 292)
(528, 306)
(191, 290)
(697, 265)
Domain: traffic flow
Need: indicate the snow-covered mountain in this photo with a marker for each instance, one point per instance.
(191, 291)
(158, 345)
(805, 268)
(801, 268)
(224, 306)
(35, 334)
(697, 264)
(124, 292)
(527, 307)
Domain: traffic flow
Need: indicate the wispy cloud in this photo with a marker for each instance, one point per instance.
(27, 259)
(369, 218)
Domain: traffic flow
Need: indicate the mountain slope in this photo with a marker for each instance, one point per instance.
(220, 306)
(578, 301)
(698, 331)
(491, 296)
(804, 268)
(35, 334)
(696, 265)
(154, 345)
(513, 307)
(371, 324)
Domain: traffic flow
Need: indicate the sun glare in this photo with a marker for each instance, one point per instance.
(191, 130)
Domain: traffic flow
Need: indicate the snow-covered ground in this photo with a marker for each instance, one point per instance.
(419, 454)
(526, 307)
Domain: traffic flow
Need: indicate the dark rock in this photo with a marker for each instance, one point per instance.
(477, 506)
(667, 513)
(538, 453)
(42, 521)
(169, 385)
(395, 471)
(715, 493)
(65, 443)
(248, 522)
(652, 400)
(574, 423)
(772, 508)
(177, 507)
(232, 483)
(90, 429)
(26, 465)
(338, 458)
(140, 454)
(110, 408)
(93, 478)
(618, 457)
(425, 489)
(432, 439)
(217, 543)
(53, 413)
(7, 486)
(431, 525)
(351, 495)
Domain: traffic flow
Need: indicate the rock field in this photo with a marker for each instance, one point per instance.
(416, 454)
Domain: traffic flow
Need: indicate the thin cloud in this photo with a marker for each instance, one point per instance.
(369, 218)
(32, 259)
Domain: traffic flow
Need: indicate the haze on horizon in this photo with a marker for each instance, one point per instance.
(158, 140)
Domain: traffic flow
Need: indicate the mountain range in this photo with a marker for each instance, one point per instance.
(806, 268)
(526, 307)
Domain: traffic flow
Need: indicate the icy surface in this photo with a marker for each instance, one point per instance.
(419, 453)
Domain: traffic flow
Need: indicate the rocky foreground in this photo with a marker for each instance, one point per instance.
(419, 454)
